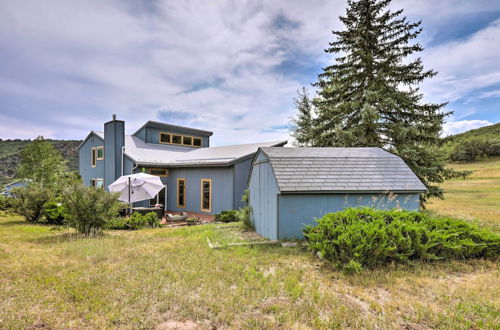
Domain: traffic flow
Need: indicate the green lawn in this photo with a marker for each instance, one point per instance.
(476, 198)
(50, 278)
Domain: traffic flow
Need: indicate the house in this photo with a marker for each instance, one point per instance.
(15, 184)
(197, 177)
(290, 187)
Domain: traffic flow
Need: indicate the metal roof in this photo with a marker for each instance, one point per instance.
(170, 155)
(341, 170)
(157, 154)
(157, 124)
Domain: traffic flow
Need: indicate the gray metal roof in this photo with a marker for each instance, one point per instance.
(341, 170)
(170, 155)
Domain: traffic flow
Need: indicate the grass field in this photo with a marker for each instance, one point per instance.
(476, 198)
(142, 279)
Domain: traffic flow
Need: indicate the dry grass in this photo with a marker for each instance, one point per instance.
(476, 198)
(145, 278)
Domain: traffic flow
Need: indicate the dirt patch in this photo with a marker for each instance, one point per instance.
(177, 325)
(362, 305)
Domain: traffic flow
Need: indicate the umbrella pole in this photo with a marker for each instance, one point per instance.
(129, 207)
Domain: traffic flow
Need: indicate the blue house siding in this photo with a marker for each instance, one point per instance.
(87, 172)
(222, 188)
(114, 136)
(263, 198)
(241, 171)
(298, 210)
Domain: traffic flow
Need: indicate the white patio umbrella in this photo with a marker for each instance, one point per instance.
(136, 187)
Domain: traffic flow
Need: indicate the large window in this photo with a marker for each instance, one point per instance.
(100, 153)
(178, 139)
(181, 192)
(93, 157)
(206, 195)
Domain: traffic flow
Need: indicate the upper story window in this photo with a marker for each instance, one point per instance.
(93, 157)
(165, 138)
(184, 140)
(176, 139)
(100, 153)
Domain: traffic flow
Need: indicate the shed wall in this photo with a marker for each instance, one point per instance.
(264, 198)
(298, 210)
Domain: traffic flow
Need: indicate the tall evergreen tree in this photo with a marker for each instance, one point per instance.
(370, 96)
(302, 123)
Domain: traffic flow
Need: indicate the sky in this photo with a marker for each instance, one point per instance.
(232, 67)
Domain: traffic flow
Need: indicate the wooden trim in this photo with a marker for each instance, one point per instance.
(210, 195)
(159, 168)
(93, 157)
(177, 196)
(164, 133)
(97, 153)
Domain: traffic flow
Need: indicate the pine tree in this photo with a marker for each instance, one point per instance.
(370, 96)
(302, 124)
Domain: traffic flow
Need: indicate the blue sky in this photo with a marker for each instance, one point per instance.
(228, 66)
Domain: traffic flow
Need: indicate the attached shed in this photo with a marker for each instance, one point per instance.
(291, 187)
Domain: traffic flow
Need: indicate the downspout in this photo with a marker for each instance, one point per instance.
(123, 157)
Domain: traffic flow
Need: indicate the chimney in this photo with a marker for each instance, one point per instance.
(114, 140)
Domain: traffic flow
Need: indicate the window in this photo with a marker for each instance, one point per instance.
(206, 195)
(100, 153)
(164, 137)
(98, 183)
(181, 192)
(163, 172)
(187, 140)
(93, 157)
(176, 139)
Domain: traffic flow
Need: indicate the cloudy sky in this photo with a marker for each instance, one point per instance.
(228, 66)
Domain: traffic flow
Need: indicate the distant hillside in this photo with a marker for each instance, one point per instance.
(10, 154)
(493, 130)
(473, 145)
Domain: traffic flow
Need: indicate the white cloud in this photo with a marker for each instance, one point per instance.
(68, 65)
(456, 127)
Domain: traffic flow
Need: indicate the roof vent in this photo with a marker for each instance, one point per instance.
(114, 117)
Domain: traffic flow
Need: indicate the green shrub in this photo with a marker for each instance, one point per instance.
(89, 209)
(151, 219)
(5, 203)
(29, 201)
(372, 238)
(118, 223)
(134, 222)
(54, 212)
(244, 212)
(227, 216)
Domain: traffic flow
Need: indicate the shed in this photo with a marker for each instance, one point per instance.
(291, 187)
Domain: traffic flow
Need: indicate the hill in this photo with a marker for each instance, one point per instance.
(475, 144)
(10, 155)
(492, 130)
